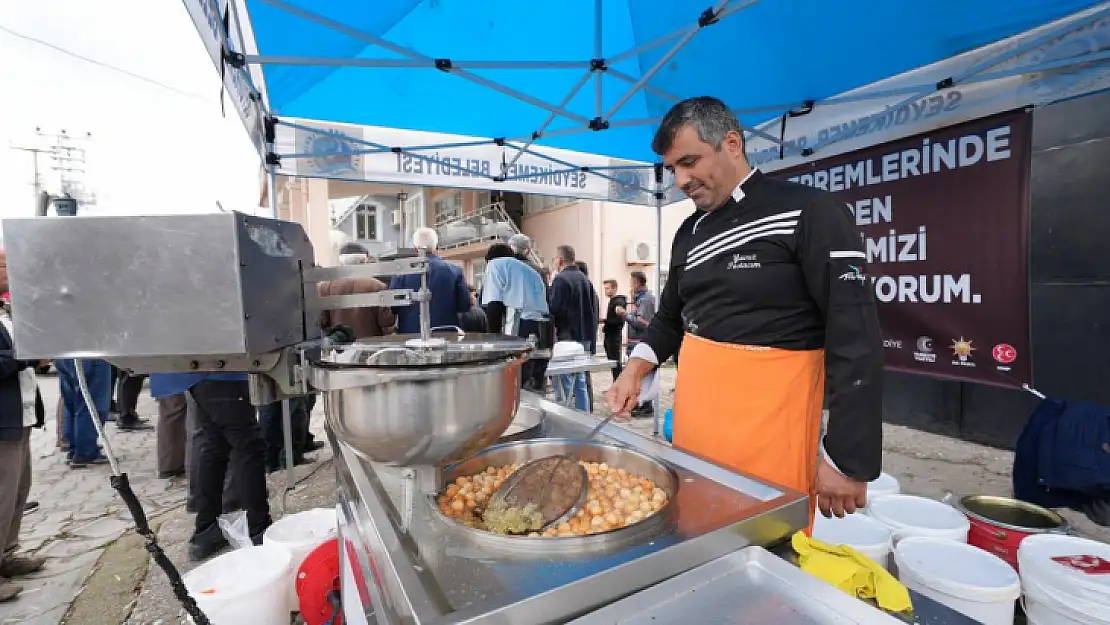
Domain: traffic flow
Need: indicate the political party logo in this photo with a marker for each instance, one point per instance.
(1004, 354)
(924, 351)
(332, 153)
(961, 350)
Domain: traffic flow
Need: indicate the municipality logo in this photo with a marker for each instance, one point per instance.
(332, 153)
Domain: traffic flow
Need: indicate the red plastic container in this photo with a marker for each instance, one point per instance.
(999, 524)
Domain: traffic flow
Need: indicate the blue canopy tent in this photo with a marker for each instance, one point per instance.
(317, 82)
(562, 98)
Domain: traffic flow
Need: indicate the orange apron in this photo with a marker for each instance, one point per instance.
(756, 410)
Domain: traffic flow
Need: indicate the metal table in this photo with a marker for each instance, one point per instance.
(577, 364)
(404, 563)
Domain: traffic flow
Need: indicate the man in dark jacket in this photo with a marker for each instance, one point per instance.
(450, 298)
(612, 327)
(573, 303)
(20, 409)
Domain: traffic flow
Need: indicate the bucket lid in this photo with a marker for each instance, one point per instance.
(908, 511)
(310, 526)
(854, 530)
(884, 484)
(1069, 565)
(957, 569)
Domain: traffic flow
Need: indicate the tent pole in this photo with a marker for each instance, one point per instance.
(658, 194)
(598, 106)
(550, 118)
(286, 415)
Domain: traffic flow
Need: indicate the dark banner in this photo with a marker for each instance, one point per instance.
(944, 218)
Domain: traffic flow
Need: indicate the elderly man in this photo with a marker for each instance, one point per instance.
(450, 297)
(20, 409)
(762, 333)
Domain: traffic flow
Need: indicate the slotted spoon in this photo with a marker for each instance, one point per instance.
(555, 485)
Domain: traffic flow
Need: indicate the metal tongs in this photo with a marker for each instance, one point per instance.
(555, 485)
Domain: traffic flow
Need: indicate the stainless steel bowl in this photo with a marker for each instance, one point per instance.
(425, 416)
(527, 424)
(614, 455)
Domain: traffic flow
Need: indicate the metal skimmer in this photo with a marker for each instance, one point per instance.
(555, 485)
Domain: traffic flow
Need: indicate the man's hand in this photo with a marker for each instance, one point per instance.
(836, 493)
(620, 311)
(624, 394)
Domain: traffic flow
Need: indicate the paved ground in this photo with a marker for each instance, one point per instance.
(79, 513)
(80, 523)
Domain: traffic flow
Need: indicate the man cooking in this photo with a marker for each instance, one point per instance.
(768, 296)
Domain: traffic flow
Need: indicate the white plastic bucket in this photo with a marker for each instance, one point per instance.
(967, 579)
(299, 534)
(907, 516)
(1058, 594)
(862, 533)
(885, 484)
(243, 586)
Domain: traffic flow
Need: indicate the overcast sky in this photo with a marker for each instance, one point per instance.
(154, 149)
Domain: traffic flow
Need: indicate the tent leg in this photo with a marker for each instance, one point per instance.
(658, 281)
(286, 416)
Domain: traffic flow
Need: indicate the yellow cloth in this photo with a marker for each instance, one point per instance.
(852, 572)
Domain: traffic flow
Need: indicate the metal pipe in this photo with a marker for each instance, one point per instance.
(425, 305)
(658, 281)
(286, 415)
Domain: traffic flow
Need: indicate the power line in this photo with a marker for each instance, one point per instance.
(105, 65)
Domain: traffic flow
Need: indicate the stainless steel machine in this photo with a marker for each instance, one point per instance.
(406, 414)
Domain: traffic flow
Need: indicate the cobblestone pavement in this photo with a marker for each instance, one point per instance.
(79, 513)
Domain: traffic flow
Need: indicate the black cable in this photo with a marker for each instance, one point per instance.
(123, 487)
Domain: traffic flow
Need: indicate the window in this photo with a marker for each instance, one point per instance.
(479, 273)
(536, 203)
(485, 198)
(366, 223)
(448, 207)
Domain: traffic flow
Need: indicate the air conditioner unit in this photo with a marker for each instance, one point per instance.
(396, 221)
(641, 253)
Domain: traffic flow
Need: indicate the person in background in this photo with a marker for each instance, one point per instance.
(474, 320)
(574, 309)
(638, 315)
(512, 284)
(128, 389)
(171, 436)
(450, 297)
(612, 327)
(232, 443)
(521, 246)
(79, 431)
(367, 322)
(20, 410)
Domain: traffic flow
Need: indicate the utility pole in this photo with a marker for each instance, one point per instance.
(69, 161)
(36, 181)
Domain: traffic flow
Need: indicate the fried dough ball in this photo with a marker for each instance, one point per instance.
(615, 498)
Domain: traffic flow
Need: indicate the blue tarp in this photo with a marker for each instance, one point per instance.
(765, 56)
